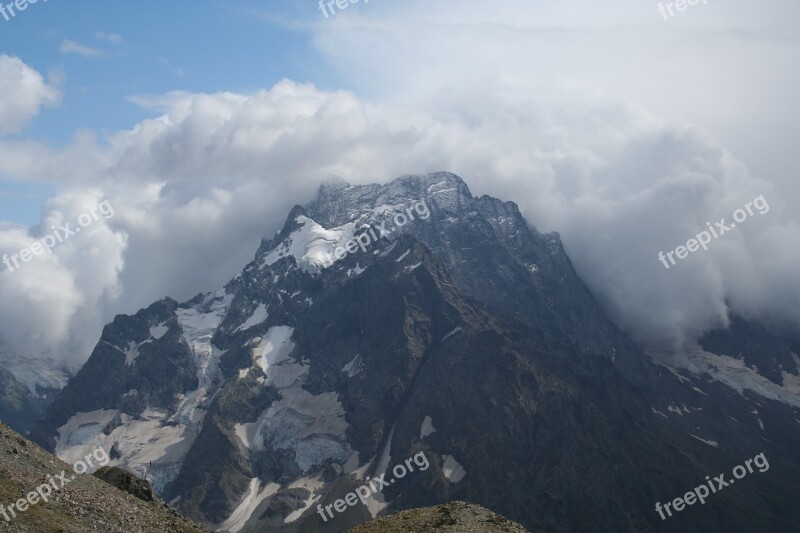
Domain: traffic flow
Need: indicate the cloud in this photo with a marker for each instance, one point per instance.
(24, 93)
(585, 114)
(71, 47)
(113, 38)
(732, 68)
(211, 174)
(53, 300)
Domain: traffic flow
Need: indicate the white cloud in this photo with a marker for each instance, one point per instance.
(54, 300)
(113, 38)
(71, 47)
(202, 182)
(732, 67)
(24, 93)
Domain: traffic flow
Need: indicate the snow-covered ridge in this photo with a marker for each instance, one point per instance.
(311, 245)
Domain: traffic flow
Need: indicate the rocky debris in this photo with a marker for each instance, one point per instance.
(456, 517)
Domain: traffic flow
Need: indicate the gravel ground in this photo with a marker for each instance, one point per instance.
(455, 517)
(85, 504)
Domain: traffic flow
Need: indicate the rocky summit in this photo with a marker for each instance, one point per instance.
(405, 345)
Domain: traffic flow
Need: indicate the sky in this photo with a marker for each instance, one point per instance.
(201, 124)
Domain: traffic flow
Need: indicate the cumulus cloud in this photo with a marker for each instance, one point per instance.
(538, 119)
(55, 300)
(197, 186)
(24, 92)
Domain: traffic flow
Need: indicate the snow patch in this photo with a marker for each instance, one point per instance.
(354, 367)
(675, 410)
(412, 268)
(426, 428)
(145, 445)
(733, 373)
(250, 502)
(273, 352)
(198, 325)
(355, 271)
(131, 353)
(198, 328)
(452, 469)
(458, 328)
(259, 316)
(312, 426)
(377, 502)
(156, 332)
(709, 442)
(312, 485)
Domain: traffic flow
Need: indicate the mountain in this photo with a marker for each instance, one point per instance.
(403, 345)
(78, 503)
(28, 385)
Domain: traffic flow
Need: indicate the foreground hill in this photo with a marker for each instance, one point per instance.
(83, 504)
(455, 517)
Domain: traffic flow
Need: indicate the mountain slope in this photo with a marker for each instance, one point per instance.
(84, 504)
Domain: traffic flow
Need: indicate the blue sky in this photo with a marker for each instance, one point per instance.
(198, 46)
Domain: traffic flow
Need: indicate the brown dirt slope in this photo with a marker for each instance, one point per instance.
(455, 517)
(85, 504)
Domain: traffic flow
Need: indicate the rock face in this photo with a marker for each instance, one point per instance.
(17, 407)
(126, 482)
(449, 334)
(452, 517)
(83, 504)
